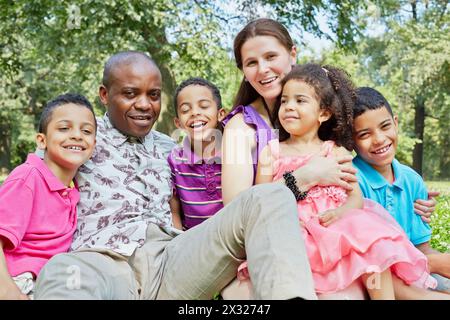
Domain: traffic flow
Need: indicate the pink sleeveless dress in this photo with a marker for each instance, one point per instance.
(362, 241)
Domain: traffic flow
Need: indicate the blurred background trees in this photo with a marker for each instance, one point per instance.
(399, 47)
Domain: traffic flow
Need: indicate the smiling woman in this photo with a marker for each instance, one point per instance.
(265, 53)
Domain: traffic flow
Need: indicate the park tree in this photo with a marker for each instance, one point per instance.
(412, 59)
(53, 47)
(402, 49)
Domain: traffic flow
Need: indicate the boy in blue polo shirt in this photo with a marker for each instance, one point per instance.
(385, 180)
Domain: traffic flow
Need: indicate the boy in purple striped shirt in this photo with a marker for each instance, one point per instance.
(196, 165)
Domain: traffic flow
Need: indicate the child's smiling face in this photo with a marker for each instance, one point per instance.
(300, 112)
(198, 113)
(70, 136)
(375, 135)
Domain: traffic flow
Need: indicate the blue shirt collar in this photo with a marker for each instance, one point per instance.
(375, 179)
(398, 182)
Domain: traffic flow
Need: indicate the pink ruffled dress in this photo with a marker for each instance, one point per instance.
(361, 241)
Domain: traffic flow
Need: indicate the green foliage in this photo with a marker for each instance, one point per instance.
(440, 219)
(440, 239)
(303, 15)
(408, 62)
(49, 47)
(412, 62)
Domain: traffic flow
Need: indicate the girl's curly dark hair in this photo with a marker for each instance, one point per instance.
(335, 92)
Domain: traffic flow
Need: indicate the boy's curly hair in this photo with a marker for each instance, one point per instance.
(335, 92)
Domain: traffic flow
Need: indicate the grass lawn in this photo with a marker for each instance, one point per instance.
(440, 220)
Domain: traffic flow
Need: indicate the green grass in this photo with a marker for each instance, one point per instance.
(440, 220)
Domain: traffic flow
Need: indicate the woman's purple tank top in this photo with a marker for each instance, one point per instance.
(263, 132)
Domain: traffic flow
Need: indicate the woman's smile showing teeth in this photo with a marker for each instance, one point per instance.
(267, 81)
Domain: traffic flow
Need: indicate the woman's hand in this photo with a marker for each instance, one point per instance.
(325, 171)
(425, 208)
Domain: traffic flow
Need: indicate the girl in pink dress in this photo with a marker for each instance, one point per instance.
(347, 238)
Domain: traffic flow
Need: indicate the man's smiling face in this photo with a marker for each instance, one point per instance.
(133, 98)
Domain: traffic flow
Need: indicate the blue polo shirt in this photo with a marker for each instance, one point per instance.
(398, 198)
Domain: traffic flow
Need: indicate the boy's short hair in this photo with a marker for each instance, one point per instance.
(198, 82)
(369, 99)
(60, 100)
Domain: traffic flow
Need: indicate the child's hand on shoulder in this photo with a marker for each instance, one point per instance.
(328, 217)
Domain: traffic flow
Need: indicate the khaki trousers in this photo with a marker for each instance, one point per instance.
(260, 226)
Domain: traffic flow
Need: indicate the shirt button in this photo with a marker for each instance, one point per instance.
(64, 193)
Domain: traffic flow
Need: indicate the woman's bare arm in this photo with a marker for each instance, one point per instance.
(237, 163)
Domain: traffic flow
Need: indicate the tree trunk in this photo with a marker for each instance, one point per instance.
(5, 147)
(444, 164)
(419, 125)
(165, 122)
(414, 9)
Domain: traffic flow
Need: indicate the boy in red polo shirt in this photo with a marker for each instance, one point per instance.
(38, 199)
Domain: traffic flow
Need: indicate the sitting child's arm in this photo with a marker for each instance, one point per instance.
(174, 202)
(8, 289)
(175, 208)
(438, 262)
(354, 199)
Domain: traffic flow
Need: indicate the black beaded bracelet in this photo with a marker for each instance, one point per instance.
(291, 183)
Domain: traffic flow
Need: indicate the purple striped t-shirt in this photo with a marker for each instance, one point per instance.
(197, 183)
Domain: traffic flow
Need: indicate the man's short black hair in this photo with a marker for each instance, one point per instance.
(60, 100)
(369, 99)
(198, 82)
(124, 57)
